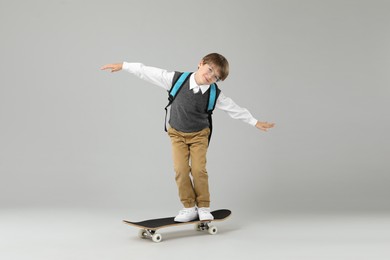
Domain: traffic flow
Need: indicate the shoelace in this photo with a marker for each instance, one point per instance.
(184, 211)
(205, 211)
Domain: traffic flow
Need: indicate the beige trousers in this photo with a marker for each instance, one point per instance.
(189, 160)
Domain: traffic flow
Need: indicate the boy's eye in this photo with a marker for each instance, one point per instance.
(212, 73)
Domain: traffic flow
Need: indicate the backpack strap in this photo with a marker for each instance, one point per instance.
(177, 86)
(212, 98)
(213, 95)
(173, 92)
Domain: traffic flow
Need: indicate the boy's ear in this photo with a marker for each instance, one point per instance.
(201, 63)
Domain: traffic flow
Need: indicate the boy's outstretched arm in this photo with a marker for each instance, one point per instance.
(264, 126)
(113, 67)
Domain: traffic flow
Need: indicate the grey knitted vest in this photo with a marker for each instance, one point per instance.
(189, 110)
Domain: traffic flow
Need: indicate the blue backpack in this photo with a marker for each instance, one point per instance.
(213, 95)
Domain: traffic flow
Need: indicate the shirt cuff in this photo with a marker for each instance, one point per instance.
(130, 67)
(253, 122)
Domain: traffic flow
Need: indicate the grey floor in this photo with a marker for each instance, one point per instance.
(100, 234)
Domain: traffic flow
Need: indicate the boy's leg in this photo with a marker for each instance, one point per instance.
(181, 153)
(198, 151)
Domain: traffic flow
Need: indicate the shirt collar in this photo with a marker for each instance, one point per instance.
(193, 84)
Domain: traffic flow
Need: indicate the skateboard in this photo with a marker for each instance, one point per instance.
(148, 228)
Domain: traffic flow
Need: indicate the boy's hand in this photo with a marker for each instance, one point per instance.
(113, 67)
(264, 126)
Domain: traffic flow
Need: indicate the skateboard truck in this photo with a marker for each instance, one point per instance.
(205, 225)
(150, 233)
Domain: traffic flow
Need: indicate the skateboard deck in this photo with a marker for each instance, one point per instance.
(148, 228)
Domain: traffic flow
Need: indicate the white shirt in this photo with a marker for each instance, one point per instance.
(164, 79)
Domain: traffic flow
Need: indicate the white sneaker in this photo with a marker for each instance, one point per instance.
(187, 214)
(204, 214)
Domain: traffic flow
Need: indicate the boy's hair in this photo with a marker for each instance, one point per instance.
(219, 61)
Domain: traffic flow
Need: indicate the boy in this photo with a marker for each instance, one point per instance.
(189, 126)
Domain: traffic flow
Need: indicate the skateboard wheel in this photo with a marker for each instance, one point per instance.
(142, 233)
(213, 230)
(157, 238)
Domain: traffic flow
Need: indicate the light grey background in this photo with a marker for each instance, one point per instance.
(72, 135)
(81, 149)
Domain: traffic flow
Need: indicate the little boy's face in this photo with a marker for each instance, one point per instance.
(207, 74)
